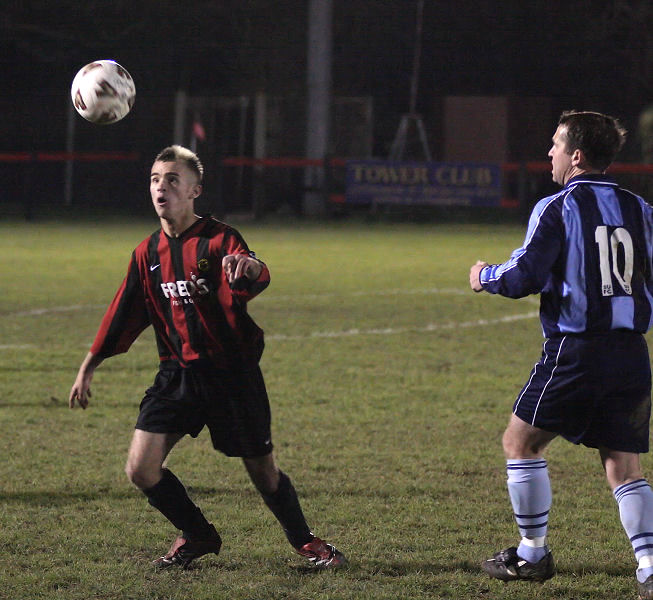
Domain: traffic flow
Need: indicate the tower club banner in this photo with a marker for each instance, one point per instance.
(425, 183)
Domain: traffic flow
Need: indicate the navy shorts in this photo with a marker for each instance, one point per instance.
(232, 404)
(593, 389)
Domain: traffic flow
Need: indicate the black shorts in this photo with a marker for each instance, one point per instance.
(232, 404)
(593, 390)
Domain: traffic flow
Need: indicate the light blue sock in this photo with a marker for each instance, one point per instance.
(635, 500)
(530, 494)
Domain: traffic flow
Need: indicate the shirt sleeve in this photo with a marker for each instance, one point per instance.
(529, 267)
(125, 318)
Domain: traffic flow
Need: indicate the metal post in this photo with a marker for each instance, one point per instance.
(412, 122)
(260, 139)
(181, 102)
(319, 103)
(416, 57)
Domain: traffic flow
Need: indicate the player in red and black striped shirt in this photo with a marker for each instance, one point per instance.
(191, 280)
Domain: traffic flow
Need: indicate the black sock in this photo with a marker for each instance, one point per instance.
(284, 504)
(170, 498)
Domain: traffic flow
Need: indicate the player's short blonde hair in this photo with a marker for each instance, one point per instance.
(176, 152)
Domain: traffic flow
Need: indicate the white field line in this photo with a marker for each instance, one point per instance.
(430, 327)
(357, 294)
(37, 312)
(15, 346)
(398, 330)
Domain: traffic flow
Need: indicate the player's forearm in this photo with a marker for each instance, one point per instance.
(90, 363)
(510, 280)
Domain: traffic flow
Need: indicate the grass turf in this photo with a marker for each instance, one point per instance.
(390, 385)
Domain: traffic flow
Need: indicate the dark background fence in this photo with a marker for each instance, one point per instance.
(34, 186)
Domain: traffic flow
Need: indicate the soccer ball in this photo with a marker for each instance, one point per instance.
(103, 92)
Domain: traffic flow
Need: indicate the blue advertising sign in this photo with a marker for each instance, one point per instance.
(435, 184)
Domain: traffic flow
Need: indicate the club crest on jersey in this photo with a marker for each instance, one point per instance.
(184, 292)
(203, 264)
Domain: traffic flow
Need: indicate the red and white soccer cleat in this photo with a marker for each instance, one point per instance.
(322, 555)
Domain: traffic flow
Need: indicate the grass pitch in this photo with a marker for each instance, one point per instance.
(390, 385)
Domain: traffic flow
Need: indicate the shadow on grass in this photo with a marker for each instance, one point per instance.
(208, 564)
(52, 402)
(398, 569)
(60, 404)
(64, 497)
(580, 569)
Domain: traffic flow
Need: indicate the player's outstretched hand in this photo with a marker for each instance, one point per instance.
(236, 266)
(475, 275)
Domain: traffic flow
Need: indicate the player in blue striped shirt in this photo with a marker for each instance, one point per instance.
(588, 252)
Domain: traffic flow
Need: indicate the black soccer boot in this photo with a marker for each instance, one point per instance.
(183, 551)
(508, 566)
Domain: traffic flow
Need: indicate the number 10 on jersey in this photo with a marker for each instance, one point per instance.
(608, 263)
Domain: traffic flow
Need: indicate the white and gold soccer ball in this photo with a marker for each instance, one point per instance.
(103, 92)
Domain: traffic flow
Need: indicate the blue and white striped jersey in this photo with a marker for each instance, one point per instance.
(588, 252)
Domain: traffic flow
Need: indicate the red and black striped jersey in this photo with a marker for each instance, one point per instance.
(177, 285)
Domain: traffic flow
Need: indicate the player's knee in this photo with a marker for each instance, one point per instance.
(132, 473)
(140, 476)
(515, 447)
(523, 441)
(264, 474)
